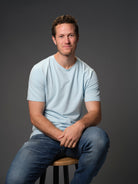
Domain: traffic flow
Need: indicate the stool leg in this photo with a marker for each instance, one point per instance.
(76, 166)
(56, 175)
(66, 175)
(42, 178)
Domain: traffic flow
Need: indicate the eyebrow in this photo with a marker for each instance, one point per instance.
(61, 34)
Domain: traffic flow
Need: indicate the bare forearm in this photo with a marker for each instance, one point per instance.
(44, 125)
(92, 118)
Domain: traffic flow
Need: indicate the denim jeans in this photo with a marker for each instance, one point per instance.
(40, 151)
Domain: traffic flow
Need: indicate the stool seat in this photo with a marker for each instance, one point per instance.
(65, 161)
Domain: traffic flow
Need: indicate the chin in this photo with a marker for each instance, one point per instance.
(66, 53)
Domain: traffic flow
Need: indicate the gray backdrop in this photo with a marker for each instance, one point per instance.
(107, 43)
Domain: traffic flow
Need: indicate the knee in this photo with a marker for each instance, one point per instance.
(101, 139)
(98, 138)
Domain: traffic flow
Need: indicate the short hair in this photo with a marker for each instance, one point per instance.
(64, 19)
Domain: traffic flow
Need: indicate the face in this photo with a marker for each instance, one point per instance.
(65, 39)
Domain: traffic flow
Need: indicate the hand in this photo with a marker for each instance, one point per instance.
(71, 135)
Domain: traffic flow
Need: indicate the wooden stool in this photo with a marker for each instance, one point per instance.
(60, 162)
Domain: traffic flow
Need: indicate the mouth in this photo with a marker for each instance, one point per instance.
(67, 46)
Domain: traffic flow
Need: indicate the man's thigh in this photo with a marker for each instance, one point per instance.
(32, 159)
(92, 139)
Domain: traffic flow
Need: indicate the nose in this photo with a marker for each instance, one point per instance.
(67, 39)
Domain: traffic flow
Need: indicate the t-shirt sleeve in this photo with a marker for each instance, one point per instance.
(91, 92)
(36, 87)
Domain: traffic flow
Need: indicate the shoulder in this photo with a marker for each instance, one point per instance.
(39, 70)
(41, 65)
(85, 68)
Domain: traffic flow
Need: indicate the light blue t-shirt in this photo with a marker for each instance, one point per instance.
(63, 90)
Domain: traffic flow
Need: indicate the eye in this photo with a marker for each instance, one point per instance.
(71, 35)
(60, 36)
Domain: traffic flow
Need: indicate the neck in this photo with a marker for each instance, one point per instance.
(65, 61)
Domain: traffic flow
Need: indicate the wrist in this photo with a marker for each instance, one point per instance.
(81, 124)
(56, 134)
(59, 135)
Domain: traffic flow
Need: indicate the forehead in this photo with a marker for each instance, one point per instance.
(65, 28)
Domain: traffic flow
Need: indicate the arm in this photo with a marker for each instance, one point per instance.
(40, 121)
(93, 117)
(72, 134)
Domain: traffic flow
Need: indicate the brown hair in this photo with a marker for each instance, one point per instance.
(65, 19)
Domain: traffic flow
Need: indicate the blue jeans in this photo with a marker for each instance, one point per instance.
(40, 151)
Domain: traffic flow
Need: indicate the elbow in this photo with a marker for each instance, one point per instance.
(34, 118)
(98, 119)
(97, 122)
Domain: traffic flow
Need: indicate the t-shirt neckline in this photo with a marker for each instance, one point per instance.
(62, 68)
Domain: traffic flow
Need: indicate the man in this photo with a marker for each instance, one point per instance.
(58, 86)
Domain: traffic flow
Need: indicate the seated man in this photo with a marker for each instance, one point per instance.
(58, 87)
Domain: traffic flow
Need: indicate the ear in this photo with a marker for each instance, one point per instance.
(77, 38)
(54, 40)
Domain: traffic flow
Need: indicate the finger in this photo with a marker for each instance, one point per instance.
(70, 144)
(67, 142)
(61, 136)
(73, 145)
(63, 141)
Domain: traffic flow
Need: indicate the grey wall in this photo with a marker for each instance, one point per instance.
(107, 43)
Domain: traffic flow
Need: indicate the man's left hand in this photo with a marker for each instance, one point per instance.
(71, 135)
